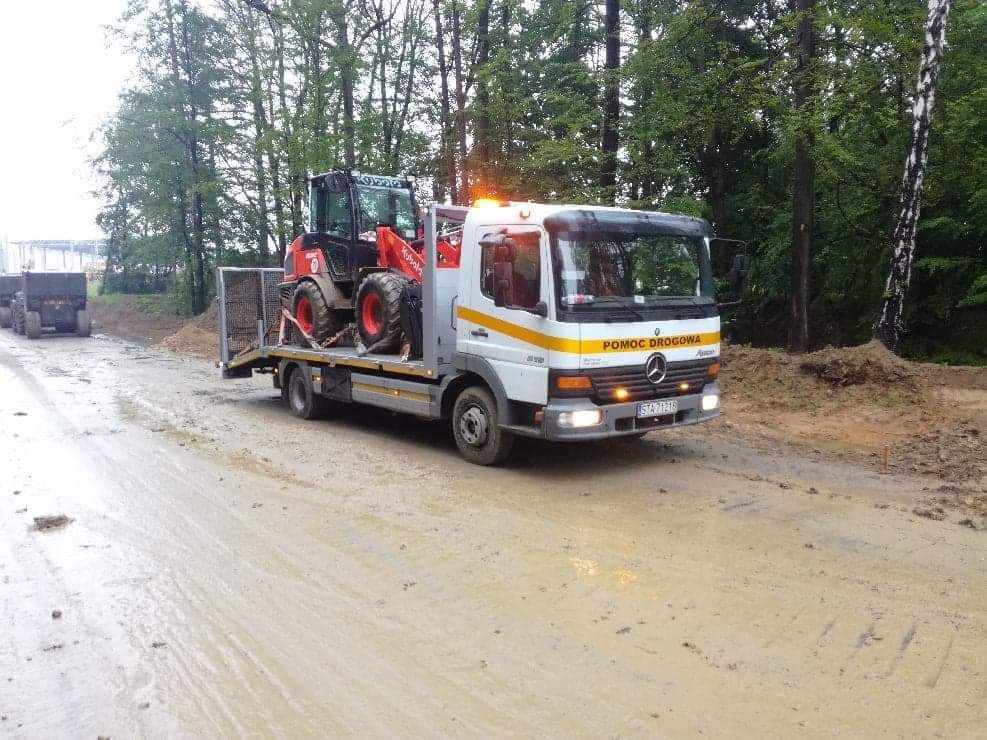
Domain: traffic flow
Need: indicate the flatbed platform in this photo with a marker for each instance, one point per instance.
(269, 356)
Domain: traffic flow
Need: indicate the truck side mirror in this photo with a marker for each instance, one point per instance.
(540, 309)
(739, 270)
(504, 254)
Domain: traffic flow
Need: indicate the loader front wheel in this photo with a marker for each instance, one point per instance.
(378, 310)
(475, 426)
(313, 314)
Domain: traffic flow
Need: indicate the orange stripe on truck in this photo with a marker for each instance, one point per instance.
(588, 346)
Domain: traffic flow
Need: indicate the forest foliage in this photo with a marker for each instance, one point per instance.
(236, 102)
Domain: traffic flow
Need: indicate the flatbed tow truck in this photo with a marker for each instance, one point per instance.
(550, 321)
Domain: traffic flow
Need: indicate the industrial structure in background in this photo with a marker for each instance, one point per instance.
(52, 255)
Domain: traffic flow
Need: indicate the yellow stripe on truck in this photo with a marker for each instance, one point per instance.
(588, 346)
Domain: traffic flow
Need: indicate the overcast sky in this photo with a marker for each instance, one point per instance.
(58, 80)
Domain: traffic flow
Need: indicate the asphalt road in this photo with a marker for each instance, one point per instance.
(232, 571)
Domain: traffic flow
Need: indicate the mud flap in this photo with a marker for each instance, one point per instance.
(411, 318)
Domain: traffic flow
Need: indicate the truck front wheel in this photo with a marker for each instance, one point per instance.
(32, 324)
(475, 426)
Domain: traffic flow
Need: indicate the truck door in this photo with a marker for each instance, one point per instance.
(509, 336)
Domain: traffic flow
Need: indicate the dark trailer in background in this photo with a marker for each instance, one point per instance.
(9, 284)
(51, 300)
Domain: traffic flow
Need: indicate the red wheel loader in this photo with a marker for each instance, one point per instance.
(364, 252)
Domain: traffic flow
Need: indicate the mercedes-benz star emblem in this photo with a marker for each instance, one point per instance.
(655, 368)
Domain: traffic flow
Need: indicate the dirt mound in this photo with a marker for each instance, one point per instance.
(869, 363)
(208, 320)
(123, 316)
(192, 339)
(953, 453)
(854, 401)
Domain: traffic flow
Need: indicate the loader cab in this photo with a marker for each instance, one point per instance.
(345, 208)
(350, 205)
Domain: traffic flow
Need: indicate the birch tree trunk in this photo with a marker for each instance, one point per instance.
(891, 323)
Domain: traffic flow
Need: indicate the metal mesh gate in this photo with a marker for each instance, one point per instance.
(249, 308)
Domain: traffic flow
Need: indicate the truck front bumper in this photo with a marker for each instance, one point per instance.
(620, 419)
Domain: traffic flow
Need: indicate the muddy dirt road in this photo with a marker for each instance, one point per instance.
(232, 571)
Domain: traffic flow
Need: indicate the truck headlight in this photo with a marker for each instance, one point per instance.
(711, 402)
(579, 419)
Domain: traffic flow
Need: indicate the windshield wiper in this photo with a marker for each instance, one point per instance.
(617, 302)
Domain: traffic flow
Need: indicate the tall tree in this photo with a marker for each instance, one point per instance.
(448, 152)
(804, 183)
(891, 322)
(611, 101)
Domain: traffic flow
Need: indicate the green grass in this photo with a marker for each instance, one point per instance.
(161, 304)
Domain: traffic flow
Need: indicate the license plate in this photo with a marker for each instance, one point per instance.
(648, 409)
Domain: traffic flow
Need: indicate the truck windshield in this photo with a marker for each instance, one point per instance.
(598, 270)
(391, 206)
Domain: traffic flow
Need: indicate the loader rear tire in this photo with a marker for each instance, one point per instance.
(475, 426)
(301, 397)
(378, 310)
(6, 317)
(313, 313)
(32, 324)
(83, 324)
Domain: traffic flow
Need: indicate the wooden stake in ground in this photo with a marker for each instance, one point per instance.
(891, 322)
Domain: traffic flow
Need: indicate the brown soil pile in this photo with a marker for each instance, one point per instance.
(854, 401)
(192, 340)
(868, 363)
(124, 318)
(198, 336)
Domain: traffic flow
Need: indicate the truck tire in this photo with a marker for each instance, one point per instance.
(32, 324)
(378, 310)
(475, 426)
(301, 397)
(313, 314)
(83, 324)
(6, 317)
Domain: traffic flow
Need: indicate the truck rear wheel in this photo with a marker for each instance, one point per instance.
(6, 317)
(475, 426)
(83, 324)
(378, 310)
(313, 313)
(301, 397)
(32, 324)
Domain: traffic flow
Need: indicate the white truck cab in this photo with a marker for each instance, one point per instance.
(562, 322)
(595, 322)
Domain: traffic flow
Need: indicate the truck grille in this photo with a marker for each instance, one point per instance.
(639, 388)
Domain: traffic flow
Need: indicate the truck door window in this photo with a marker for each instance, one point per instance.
(527, 266)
